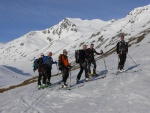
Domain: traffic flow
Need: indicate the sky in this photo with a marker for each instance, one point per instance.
(18, 17)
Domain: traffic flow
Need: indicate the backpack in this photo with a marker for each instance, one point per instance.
(77, 55)
(60, 63)
(120, 45)
(44, 59)
(35, 66)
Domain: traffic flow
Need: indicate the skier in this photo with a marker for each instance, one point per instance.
(48, 61)
(40, 65)
(91, 59)
(83, 55)
(122, 51)
(65, 69)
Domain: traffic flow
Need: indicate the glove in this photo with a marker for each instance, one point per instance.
(101, 51)
(66, 67)
(69, 67)
(56, 63)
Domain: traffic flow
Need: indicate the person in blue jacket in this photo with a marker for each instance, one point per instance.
(48, 61)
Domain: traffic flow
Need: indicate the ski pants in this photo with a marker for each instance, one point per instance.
(41, 74)
(83, 66)
(89, 66)
(48, 73)
(65, 73)
(122, 61)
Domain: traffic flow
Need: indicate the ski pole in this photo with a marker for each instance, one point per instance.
(104, 60)
(70, 79)
(73, 65)
(132, 60)
(104, 63)
(57, 70)
(94, 68)
(118, 63)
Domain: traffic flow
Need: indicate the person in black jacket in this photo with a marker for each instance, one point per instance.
(41, 72)
(83, 54)
(48, 67)
(122, 51)
(91, 59)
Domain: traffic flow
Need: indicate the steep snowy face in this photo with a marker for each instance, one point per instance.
(57, 31)
(73, 26)
(139, 10)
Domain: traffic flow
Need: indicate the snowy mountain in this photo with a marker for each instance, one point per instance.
(1, 44)
(71, 34)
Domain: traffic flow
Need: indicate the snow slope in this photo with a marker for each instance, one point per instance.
(124, 93)
(9, 78)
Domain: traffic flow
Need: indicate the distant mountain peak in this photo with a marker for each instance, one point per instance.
(139, 10)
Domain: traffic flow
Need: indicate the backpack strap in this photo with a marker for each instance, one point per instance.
(45, 58)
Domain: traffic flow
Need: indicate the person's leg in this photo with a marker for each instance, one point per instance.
(94, 64)
(63, 75)
(39, 79)
(80, 72)
(89, 67)
(86, 70)
(124, 59)
(66, 76)
(44, 78)
(121, 61)
(43, 74)
(40, 76)
(47, 74)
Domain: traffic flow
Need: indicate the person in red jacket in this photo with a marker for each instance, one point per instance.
(66, 68)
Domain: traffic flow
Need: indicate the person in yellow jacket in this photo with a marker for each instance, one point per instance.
(65, 69)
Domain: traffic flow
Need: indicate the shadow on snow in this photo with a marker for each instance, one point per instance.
(16, 70)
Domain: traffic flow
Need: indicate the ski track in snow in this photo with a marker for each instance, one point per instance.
(112, 89)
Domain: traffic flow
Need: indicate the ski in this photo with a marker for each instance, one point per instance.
(64, 88)
(96, 78)
(77, 86)
(50, 86)
(127, 71)
(134, 71)
(118, 72)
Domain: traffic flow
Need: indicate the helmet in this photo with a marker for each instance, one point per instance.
(64, 51)
(42, 54)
